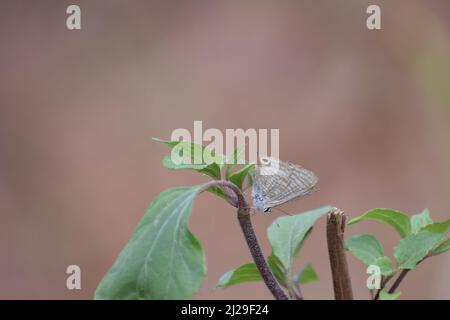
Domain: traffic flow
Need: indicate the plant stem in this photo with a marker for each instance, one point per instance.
(394, 287)
(258, 257)
(397, 282)
(384, 281)
(336, 251)
(295, 291)
(244, 218)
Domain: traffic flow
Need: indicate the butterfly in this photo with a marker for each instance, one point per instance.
(276, 182)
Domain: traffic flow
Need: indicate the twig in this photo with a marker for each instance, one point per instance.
(336, 251)
(394, 287)
(384, 281)
(397, 282)
(295, 291)
(244, 218)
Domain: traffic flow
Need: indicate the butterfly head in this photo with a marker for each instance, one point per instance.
(267, 210)
(258, 200)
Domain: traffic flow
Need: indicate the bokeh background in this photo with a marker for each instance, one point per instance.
(367, 111)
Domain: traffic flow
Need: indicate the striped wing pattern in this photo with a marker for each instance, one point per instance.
(279, 182)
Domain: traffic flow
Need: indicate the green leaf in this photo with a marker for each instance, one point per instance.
(249, 272)
(412, 249)
(238, 177)
(168, 143)
(286, 234)
(193, 156)
(385, 295)
(162, 259)
(307, 274)
(396, 219)
(368, 249)
(233, 161)
(245, 273)
(249, 183)
(365, 247)
(385, 265)
(169, 164)
(277, 269)
(212, 170)
(438, 227)
(441, 247)
(421, 220)
(218, 191)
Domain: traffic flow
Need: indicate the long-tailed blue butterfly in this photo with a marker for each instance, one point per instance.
(276, 182)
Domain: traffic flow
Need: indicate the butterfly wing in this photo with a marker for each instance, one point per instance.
(279, 182)
(297, 183)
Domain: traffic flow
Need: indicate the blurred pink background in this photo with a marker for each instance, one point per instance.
(367, 111)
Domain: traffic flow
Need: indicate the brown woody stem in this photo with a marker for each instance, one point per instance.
(336, 251)
(237, 199)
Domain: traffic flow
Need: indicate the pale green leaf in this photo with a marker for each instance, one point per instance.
(396, 219)
(442, 247)
(249, 272)
(421, 220)
(368, 249)
(245, 273)
(162, 259)
(438, 227)
(236, 158)
(188, 155)
(412, 249)
(385, 265)
(365, 247)
(286, 234)
(385, 295)
(239, 176)
(307, 274)
(277, 269)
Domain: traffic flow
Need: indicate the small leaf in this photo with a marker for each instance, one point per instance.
(412, 249)
(442, 247)
(385, 295)
(249, 183)
(245, 273)
(396, 219)
(238, 177)
(421, 220)
(307, 274)
(169, 143)
(162, 259)
(277, 269)
(236, 157)
(213, 171)
(169, 164)
(249, 272)
(441, 228)
(286, 234)
(218, 191)
(438, 227)
(385, 265)
(365, 247)
(193, 156)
